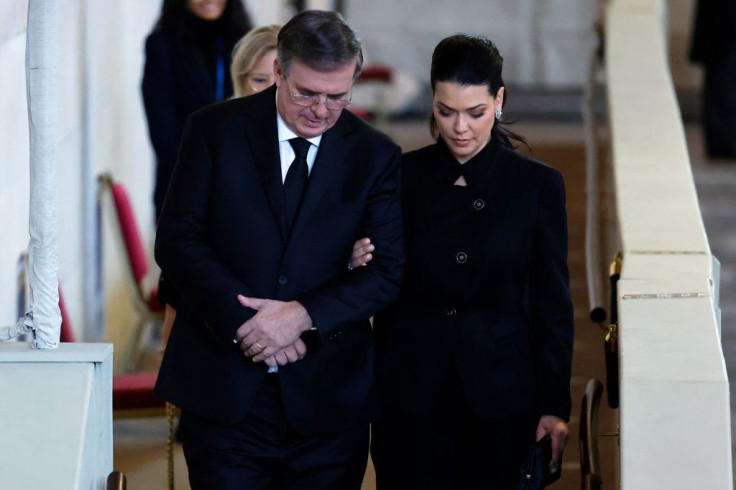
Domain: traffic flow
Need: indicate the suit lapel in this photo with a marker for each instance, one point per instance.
(331, 164)
(263, 137)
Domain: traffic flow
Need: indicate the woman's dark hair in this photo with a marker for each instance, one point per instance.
(320, 39)
(471, 60)
(235, 21)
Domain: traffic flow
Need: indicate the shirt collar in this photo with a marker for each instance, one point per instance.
(285, 132)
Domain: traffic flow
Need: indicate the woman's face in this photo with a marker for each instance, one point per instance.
(465, 115)
(207, 9)
(261, 76)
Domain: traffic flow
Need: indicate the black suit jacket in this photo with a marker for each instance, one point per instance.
(222, 234)
(507, 324)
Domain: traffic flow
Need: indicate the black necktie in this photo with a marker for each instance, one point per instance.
(296, 178)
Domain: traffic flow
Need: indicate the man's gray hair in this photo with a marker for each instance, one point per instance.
(320, 39)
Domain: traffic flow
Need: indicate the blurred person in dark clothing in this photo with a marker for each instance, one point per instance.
(187, 67)
(253, 57)
(714, 46)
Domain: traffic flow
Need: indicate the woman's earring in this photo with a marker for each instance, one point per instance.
(499, 113)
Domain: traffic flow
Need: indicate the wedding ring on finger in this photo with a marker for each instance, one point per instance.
(260, 347)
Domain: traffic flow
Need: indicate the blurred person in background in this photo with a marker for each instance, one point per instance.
(187, 60)
(253, 57)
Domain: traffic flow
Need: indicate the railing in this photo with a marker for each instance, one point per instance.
(674, 395)
(116, 481)
(589, 461)
(593, 229)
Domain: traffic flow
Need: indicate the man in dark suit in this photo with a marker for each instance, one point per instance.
(271, 356)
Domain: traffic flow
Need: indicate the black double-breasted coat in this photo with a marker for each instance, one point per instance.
(485, 287)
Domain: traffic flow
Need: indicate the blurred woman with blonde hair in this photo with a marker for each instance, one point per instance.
(253, 56)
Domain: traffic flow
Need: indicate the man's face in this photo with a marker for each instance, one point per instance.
(316, 118)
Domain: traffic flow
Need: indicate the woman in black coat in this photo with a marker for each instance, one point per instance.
(474, 357)
(187, 67)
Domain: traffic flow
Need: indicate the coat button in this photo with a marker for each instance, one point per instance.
(461, 257)
(479, 204)
(282, 280)
(451, 312)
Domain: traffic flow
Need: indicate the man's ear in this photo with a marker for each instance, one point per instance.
(278, 73)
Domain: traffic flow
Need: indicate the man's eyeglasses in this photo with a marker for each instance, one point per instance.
(310, 100)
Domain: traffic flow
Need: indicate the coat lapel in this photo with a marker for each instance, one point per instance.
(263, 137)
(331, 164)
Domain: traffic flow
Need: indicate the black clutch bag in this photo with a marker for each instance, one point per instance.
(535, 473)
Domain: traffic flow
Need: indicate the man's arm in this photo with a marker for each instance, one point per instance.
(357, 294)
(182, 249)
(551, 306)
(353, 295)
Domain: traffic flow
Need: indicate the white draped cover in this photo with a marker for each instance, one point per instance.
(43, 320)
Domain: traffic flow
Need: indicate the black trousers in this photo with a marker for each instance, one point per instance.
(451, 450)
(264, 452)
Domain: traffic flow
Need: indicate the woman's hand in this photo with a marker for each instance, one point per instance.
(558, 431)
(361, 253)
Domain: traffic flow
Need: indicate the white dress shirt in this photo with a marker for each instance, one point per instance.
(287, 156)
(286, 152)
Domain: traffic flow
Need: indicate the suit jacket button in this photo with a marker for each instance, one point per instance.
(479, 204)
(461, 257)
(282, 280)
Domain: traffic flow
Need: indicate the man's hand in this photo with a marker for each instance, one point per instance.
(276, 325)
(558, 431)
(288, 354)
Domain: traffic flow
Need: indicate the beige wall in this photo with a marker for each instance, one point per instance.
(544, 43)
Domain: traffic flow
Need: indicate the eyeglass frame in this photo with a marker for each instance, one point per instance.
(309, 100)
